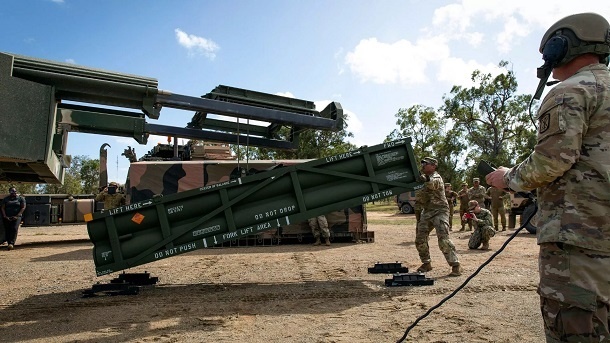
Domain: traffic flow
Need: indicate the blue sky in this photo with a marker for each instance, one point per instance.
(374, 57)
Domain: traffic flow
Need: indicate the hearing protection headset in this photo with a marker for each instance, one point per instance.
(571, 36)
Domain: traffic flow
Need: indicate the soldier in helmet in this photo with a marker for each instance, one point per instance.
(477, 192)
(570, 171)
(484, 229)
(463, 196)
(451, 196)
(496, 200)
(111, 197)
(435, 215)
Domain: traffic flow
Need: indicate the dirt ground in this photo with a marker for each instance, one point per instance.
(285, 293)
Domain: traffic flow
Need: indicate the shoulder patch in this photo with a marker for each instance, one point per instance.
(544, 122)
(550, 115)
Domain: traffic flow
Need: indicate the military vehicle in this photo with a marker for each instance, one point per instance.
(153, 176)
(166, 226)
(522, 206)
(57, 98)
(406, 202)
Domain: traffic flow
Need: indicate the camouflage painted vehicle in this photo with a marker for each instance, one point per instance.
(148, 179)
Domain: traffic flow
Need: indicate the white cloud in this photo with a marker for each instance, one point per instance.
(353, 122)
(400, 62)
(513, 28)
(515, 19)
(286, 94)
(197, 45)
(458, 72)
(70, 60)
(474, 39)
(501, 25)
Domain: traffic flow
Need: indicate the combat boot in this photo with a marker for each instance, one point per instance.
(426, 267)
(327, 241)
(317, 242)
(485, 246)
(456, 270)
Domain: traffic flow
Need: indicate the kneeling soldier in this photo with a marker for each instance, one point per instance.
(483, 223)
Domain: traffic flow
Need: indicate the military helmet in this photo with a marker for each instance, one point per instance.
(430, 160)
(113, 184)
(472, 204)
(575, 35)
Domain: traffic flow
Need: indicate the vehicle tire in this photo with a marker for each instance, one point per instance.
(527, 212)
(406, 208)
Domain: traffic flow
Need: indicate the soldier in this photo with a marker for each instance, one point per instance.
(484, 229)
(570, 171)
(417, 207)
(451, 198)
(477, 192)
(463, 196)
(435, 215)
(319, 225)
(496, 198)
(111, 197)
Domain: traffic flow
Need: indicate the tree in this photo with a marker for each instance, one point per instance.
(423, 124)
(451, 149)
(313, 144)
(492, 117)
(22, 188)
(90, 175)
(80, 178)
(427, 129)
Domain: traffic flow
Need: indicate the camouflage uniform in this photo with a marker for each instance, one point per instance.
(451, 196)
(496, 196)
(319, 225)
(570, 169)
(484, 226)
(478, 194)
(435, 215)
(111, 200)
(463, 197)
(418, 207)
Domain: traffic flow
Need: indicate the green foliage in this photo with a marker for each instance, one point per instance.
(80, 178)
(90, 175)
(427, 129)
(487, 121)
(312, 144)
(493, 120)
(423, 124)
(22, 188)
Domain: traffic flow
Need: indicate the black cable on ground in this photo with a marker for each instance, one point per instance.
(468, 278)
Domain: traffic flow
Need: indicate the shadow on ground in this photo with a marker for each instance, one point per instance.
(197, 307)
